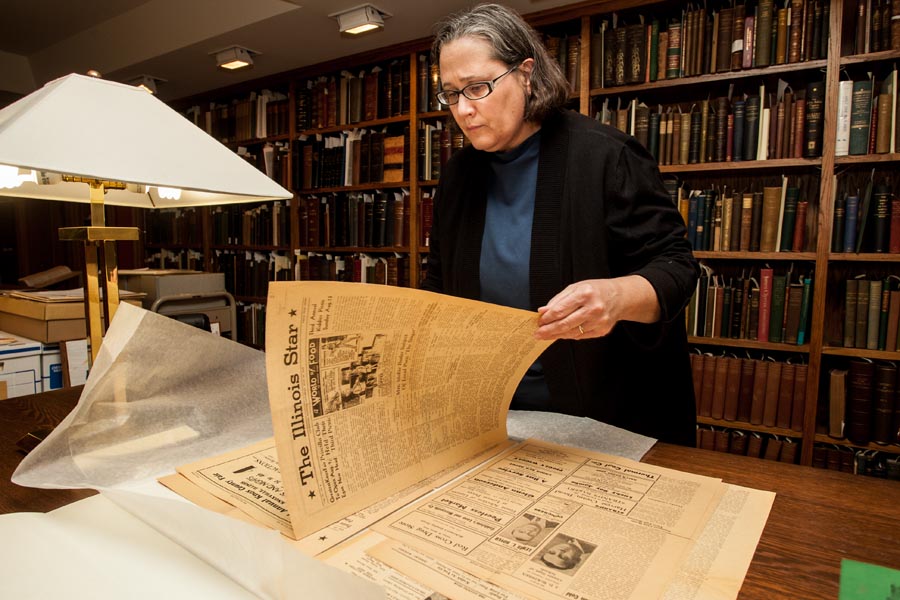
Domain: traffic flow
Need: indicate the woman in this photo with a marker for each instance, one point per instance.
(549, 210)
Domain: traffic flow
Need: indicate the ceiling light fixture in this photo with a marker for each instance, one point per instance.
(360, 19)
(148, 82)
(235, 57)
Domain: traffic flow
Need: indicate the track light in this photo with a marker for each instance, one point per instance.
(360, 19)
(148, 82)
(235, 57)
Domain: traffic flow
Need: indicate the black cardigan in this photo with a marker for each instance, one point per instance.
(600, 211)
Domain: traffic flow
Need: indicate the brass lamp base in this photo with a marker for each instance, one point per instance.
(99, 273)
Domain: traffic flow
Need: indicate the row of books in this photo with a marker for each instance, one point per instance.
(867, 218)
(175, 259)
(759, 392)
(773, 307)
(867, 116)
(387, 269)
(758, 126)
(247, 274)
(748, 443)
(267, 224)
(177, 226)
(437, 142)
(871, 463)
(347, 98)
(566, 50)
(352, 157)
(366, 220)
(263, 114)
(876, 26)
(862, 402)
(428, 83)
(273, 159)
(772, 220)
(706, 41)
(871, 313)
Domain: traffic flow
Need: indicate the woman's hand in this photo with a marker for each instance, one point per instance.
(591, 308)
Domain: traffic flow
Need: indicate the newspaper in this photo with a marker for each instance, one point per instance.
(548, 521)
(376, 393)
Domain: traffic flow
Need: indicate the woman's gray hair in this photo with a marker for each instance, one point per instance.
(512, 41)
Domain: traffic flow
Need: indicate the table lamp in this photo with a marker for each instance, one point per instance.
(85, 139)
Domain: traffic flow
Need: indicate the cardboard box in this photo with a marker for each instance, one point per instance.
(45, 321)
(51, 367)
(20, 366)
(169, 283)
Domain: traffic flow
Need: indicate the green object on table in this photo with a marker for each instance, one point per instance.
(865, 581)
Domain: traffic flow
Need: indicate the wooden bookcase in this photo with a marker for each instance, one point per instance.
(581, 23)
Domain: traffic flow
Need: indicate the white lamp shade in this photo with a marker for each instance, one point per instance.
(98, 129)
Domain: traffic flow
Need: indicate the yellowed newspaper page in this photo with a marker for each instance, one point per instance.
(351, 556)
(714, 569)
(374, 388)
(246, 484)
(718, 562)
(547, 521)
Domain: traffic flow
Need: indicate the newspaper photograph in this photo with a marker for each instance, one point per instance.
(375, 388)
(547, 521)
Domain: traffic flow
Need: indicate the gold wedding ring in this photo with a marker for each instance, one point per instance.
(581, 330)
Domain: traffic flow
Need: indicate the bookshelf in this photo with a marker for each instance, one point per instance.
(583, 35)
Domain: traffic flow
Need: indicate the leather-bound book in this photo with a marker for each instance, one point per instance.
(621, 49)
(860, 381)
(704, 129)
(751, 127)
(634, 59)
(697, 361)
(723, 40)
(895, 25)
(764, 24)
(776, 311)
(883, 404)
(721, 439)
(789, 218)
(798, 128)
(596, 64)
(798, 404)
(799, 238)
(733, 388)
(720, 378)
(696, 128)
(851, 298)
(795, 31)
(746, 225)
(754, 445)
(684, 139)
(873, 318)
(673, 52)
(785, 396)
(793, 304)
(653, 134)
(881, 198)
(708, 389)
(839, 224)
(653, 52)
(771, 209)
(773, 387)
(721, 128)
(609, 58)
(745, 401)
(766, 276)
(737, 145)
(707, 438)
(753, 313)
(788, 451)
(781, 36)
(814, 119)
(820, 457)
(738, 442)
(860, 116)
(736, 203)
(758, 398)
(773, 448)
(893, 320)
(837, 402)
(737, 38)
(861, 321)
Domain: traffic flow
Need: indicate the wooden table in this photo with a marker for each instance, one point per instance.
(818, 518)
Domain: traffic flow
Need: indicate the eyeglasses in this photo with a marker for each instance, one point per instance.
(474, 91)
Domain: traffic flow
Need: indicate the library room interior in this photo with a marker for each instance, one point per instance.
(524, 299)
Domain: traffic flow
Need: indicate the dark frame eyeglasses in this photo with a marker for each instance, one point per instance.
(473, 91)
